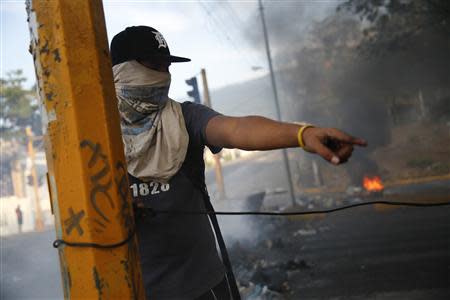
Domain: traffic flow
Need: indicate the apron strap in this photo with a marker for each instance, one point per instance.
(223, 249)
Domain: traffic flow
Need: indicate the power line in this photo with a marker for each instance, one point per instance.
(239, 24)
(277, 102)
(221, 27)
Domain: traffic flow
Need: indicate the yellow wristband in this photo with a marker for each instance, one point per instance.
(301, 143)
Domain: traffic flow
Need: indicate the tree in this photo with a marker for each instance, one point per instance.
(408, 42)
(398, 24)
(19, 107)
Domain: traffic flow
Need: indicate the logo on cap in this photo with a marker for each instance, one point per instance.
(160, 39)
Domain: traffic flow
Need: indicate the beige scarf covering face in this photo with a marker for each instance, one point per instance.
(153, 128)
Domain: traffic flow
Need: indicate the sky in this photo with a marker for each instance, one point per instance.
(211, 33)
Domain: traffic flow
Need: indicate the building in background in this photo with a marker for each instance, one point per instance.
(23, 196)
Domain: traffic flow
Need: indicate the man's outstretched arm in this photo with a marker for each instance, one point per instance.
(259, 133)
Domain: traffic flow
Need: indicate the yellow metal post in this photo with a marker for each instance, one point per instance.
(87, 173)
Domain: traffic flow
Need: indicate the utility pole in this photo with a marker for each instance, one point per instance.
(217, 164)
(277, 103)
(88, 180)
(39, 224)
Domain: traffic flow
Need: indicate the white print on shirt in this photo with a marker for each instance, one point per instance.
(152, 188)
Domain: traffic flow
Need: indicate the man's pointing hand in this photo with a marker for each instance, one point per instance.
(332, 144)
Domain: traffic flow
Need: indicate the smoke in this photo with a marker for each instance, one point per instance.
(287, 23)
(332, 71)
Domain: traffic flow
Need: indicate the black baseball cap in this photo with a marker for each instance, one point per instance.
(141, 42)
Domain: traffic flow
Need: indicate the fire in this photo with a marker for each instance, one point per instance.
(373, 184)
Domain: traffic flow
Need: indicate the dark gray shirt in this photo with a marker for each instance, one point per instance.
(178, 253)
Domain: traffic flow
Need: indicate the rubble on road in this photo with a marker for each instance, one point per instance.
(265, 264)
(259, 292)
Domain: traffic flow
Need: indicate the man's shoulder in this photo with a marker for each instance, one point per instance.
(196, 113)
(196, 117)
(192, 115)
(186, 105)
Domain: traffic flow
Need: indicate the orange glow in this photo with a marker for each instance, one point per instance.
(373, 184)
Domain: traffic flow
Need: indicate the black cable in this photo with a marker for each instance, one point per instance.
(295, 213)
(59, 242)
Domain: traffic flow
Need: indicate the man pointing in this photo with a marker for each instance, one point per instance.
(164, 142)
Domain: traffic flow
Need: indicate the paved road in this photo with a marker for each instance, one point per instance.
(365, 254)
(362, 253)
(30, 267)
(262, 171)
(355, 254)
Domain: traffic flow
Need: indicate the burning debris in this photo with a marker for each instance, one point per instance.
(373, 184)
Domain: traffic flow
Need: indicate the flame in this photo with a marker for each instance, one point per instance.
(373, 184)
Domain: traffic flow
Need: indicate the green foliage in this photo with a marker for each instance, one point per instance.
(399, 24)
(441, 168)
(419, 163)
(19, 107)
